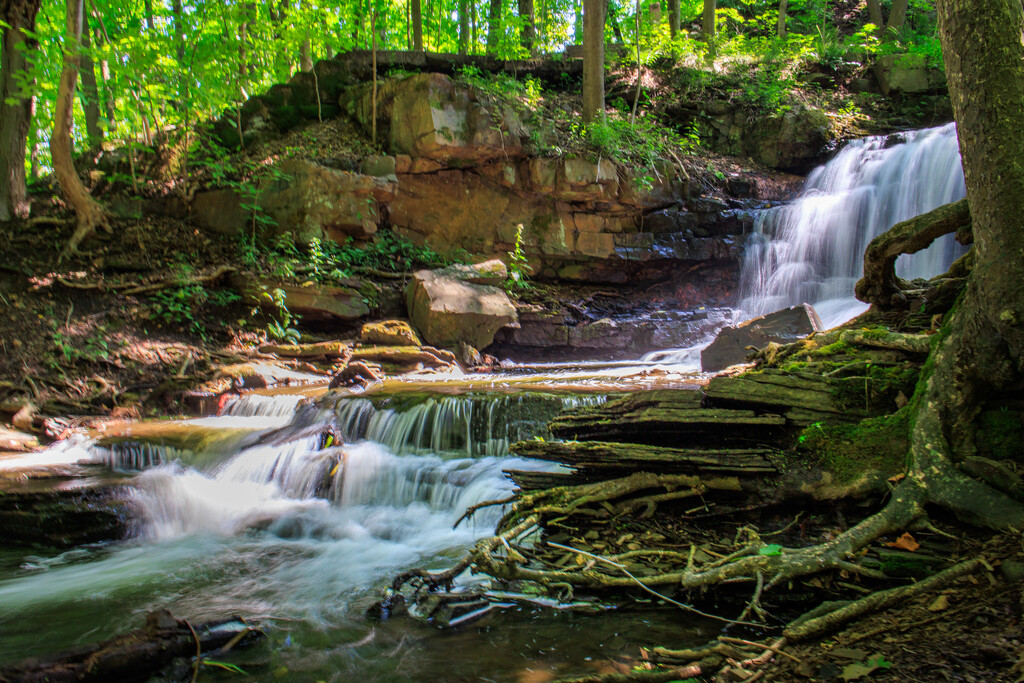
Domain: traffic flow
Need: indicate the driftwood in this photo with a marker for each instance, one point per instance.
(880, 285)
(608, 456)
(134, 656)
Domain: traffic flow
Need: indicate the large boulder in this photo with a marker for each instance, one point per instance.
(787, 325)
(314, 201)
(389, 333)
(429, 115)
(447, 310)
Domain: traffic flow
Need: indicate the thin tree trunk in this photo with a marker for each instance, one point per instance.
(373, 38)
(674, 17)
(782, 18)
(593, 61)
(305, 57)
(89, 94)
(897, 16)
(707, 27)
(90, 214)
(109, 108)
(528, 31)
(179, 29)
(493, 27)
(148, 8)
(475, 26)
(417, 25)
(463, 27)
(16, 105)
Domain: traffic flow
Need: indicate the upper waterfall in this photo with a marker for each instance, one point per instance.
(812, 249)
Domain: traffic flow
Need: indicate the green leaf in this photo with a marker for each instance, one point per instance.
(770, 549)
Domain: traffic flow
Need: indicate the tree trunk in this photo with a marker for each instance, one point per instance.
(707, 27)
(89, 214)
(875, 15)
(89, 94)
(305, 57)
(528, 31)
(897, 16)
(493, 27)
(417, 25)
(179, 30)
(782, 18)
(463, 27)
(593, 61)
(16, 105)
(674, 17)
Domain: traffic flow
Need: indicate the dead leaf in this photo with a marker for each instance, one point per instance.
(905, 542)
(941, 603)
(897, 478)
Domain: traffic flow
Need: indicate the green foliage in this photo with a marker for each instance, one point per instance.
(71, 349)
(518, 266)
(281, 325)
(877, 444)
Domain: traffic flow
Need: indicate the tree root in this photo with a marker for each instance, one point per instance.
(813, 628)
(880, 285)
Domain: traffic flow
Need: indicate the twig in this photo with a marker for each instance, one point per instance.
(487, 503)
(688, 608)
(199, 651)
(777, 649)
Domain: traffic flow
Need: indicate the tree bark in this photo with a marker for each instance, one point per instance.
(875, 15)
(416, 12)
(593, 61)
(89, 93)
(528, 31)
(782, 18)
(305, 57)
(493, 27)
(463, 27)
(179, 30)
(707, 27)
(897, 16)
(90, 215)
(674, 17)
(16, 105)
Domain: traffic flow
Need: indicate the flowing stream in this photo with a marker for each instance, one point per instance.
(263, 518)
(812, 250)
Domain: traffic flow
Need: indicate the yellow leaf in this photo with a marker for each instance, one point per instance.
(941, 603)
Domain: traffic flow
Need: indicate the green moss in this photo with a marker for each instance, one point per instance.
(848, 451)
(1000, 434)
(833, 349)
(875, 388)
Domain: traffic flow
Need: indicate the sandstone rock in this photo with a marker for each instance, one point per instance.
(313, 302)
(313, 201)
(328, 349)
(782, 327)
(221, 211)
(11, 440)
(405, 357)
(430, 115)
(469, 356)
(389, 333)
(447, 310)
(493, 272)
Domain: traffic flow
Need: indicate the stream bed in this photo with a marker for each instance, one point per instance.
(253, 513)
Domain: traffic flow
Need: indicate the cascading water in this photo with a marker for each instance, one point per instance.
(812, 249)
(287, 525)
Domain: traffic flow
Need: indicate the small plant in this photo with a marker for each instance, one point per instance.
(281, 327)
(518, 266)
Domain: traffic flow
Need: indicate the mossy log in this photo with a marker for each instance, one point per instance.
(598, 455)
(668, 418)
(880, 285)
(802, 398)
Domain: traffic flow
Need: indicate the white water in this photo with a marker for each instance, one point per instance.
(812, 249)
(289, 529)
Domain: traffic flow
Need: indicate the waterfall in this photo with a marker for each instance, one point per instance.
(470, 425)
(812, 249)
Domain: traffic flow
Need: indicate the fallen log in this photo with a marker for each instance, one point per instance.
(134, 656)
(608, 457)
(405, 356)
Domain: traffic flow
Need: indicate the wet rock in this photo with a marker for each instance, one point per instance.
(356, 374)
(405, 357)
(787, 325)
(469, 356)
(11, 440)
(389, 333)
(447, 310)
